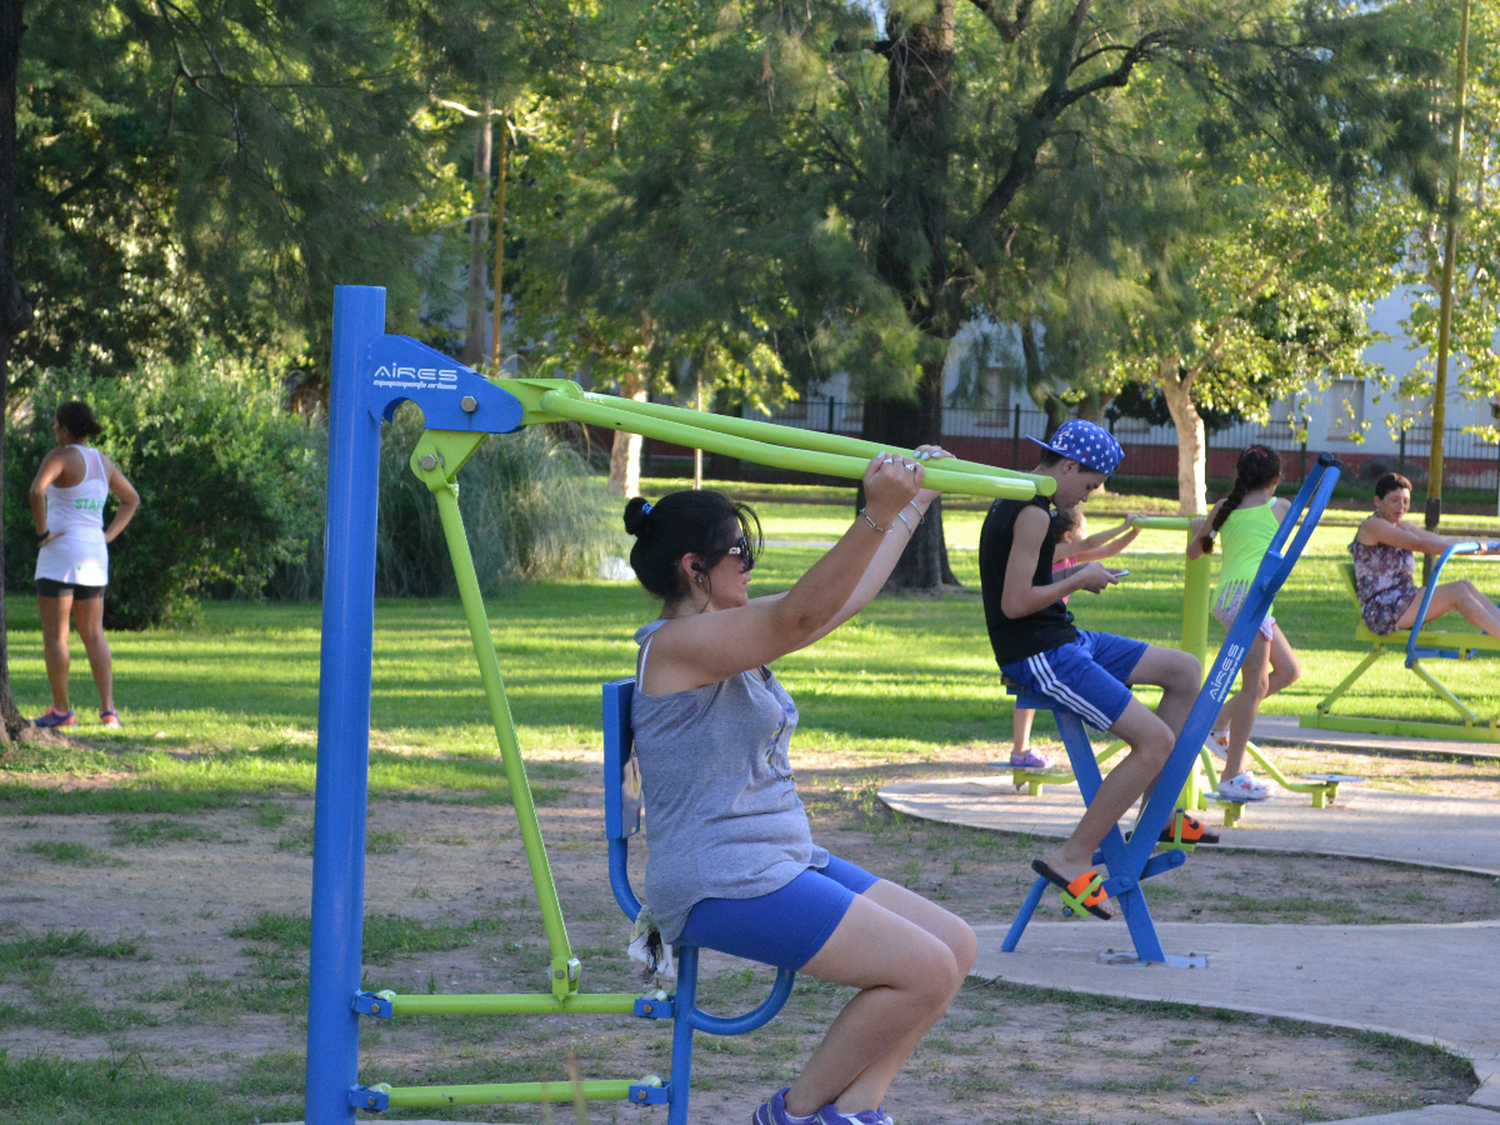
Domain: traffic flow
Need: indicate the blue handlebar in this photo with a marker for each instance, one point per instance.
(1472, 548)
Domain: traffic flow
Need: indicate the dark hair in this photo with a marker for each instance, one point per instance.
(1257, 467)
(1065, 521)
(78, 420)
(1389, 483)
(701, 522)
(1049, 458)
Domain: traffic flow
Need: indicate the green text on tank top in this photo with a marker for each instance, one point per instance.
(1243, 539)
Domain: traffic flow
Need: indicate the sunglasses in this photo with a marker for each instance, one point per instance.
(741, 550)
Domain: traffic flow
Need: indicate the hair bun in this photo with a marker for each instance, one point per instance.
(637, 508)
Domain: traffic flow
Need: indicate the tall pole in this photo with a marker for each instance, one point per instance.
(479, 233)
(338, 876)
(1445, 309)
(499, 247)
(698, 406)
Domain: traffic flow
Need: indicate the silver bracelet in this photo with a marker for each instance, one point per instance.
(864, 515)
(909, 529)
(921, 515)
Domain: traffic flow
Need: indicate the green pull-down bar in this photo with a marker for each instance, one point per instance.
(782, 447)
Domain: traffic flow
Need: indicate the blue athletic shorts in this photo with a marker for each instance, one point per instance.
(786, 927)
(1086, 677)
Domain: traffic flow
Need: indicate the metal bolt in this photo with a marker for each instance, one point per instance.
(369, 1101)
(428, 462)
(557, 974)
(374, 1009)
(469, 403)
(646, 1008)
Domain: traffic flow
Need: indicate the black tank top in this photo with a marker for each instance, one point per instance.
(1016, 638)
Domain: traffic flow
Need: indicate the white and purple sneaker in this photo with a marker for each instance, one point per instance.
(1030, 760)
(773, 1112)
(830, 1116)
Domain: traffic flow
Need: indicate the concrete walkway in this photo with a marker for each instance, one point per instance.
(1429, 983)
(1455, 833)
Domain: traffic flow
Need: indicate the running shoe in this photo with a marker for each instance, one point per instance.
(55, 718)
(1244, 787)
(110, 718)
(773, 1112)
(1030, 760)
(830, 1116)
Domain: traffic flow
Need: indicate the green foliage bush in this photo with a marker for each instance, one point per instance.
(531, 507)
(225, 477)
(232, 495)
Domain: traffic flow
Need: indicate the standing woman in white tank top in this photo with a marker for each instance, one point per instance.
(72, 566)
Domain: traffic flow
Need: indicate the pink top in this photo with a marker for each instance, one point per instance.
(1064, 566)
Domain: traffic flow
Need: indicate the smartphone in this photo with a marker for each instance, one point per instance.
(1120, 573)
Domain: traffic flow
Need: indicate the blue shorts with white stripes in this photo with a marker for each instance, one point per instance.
(1086, 677)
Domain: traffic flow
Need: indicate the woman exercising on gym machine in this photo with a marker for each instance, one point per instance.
(1384, 564)
(733, 866)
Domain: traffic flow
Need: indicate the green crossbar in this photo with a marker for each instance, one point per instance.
(502, 1093)
(537, 1004)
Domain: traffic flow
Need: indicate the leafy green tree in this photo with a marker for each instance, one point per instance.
(1269, 296)
(213, 168)
(884, 185)
(1476, 304)
(631, 278)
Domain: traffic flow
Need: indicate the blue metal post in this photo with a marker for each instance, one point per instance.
(682, 1034)
(338, 891)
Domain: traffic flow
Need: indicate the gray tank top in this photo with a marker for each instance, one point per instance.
(723, 818)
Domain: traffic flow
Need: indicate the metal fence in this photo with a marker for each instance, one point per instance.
(997, 436)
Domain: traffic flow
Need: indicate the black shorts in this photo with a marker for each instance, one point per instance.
(52, 588)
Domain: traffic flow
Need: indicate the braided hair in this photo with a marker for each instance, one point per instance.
(1257, 467)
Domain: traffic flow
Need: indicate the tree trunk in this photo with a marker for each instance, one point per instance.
(918, 119)
(720, 465)
(479, 240)
(1192, 442)
(15, 309)
(1042, 390)
(625, 452)
(923, 566)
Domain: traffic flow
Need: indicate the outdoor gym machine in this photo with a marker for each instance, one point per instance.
(1421, 643)
(1198, 790)
(1131, 862)
(372, 374)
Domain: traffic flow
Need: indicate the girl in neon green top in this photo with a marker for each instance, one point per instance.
(1247, 519)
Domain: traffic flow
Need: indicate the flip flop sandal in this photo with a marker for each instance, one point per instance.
(1193, 831)
(1084, 893)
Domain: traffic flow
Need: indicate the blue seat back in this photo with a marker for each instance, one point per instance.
(623, 803)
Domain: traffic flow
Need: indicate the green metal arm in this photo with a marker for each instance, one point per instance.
(436, 458)
(782, 447)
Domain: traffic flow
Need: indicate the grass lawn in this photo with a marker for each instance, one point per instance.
(229, 706)
(164, 952)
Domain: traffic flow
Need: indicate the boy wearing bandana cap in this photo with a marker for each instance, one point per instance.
(1089, 673)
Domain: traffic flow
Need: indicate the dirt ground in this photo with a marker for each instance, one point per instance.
(212, 978)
